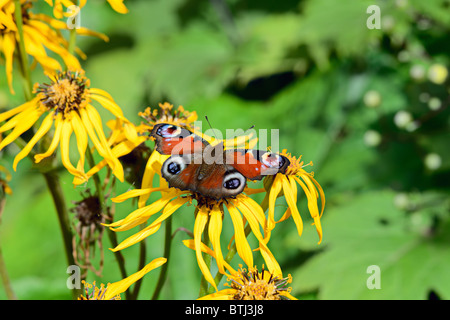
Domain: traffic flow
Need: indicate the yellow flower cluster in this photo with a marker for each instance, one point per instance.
(66, 106)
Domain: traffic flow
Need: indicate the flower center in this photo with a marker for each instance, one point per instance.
(67, 92)
(167, 113)
(92, 292)
(254, 285)
(296, 165)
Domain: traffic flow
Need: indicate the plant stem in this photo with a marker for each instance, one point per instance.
(167, 248)
(3, 272)
(23, 58)
(72, 36)
(111, 234)
(54, 185)
(5, 278)
(142, 258)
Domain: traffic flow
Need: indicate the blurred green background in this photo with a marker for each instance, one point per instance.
(369, 107)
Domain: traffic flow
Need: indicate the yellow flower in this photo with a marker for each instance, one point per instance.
(253, 285)
(249, 284)
(66, 101)
(167, 114)
(208, 212)
(123, 140)
(40, 32)
(287, 184)
(241, 208)
(113, 290)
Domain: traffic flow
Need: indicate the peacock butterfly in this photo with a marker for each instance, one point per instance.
(210, 170)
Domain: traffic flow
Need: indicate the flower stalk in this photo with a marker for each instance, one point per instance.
(112, 235)
(23, 59)
(167, 248)
(54, 186)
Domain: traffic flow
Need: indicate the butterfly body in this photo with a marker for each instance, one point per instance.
(208, 170)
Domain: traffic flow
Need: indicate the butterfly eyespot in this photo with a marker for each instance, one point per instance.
(173, 166)
(168, 130)
(234, 181)
(272, 160)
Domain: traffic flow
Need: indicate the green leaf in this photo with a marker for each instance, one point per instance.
(367, 229)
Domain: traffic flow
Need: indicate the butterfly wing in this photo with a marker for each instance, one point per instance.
(215, 181)
(256, 164)
(194, 164)
(175, 140)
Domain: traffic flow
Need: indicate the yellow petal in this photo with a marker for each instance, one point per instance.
(287, 295)
(137, 237)
(322, 194)
(225, 294)
(42, 33)
(242, 246)
(66, 132)
(82, 138)
(9, 45)
(17, 120)
(204, 248)
(114, 163)
(118, 6)
(7, 20)
(253, 207)
(146, 212)
(199, 226)
(10, 113)
(169, 209)
(273, 194)
(43, 129)
(55, 141)
(292, 203)
(92, 122)
(91, 132)
(27, 121)
(82, 31)
(249, 215)
(116, 288)
(214, 231)
(101, 93)
(37, 50)
(147, 178)
(109, 105)
(131, 194)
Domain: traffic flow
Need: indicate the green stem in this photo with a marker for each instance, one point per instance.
(167, 248)
(142, 258)
(23, 58)
(3, 272)
(111, 234)
(72, 37)
(5, 279)
(54, 185)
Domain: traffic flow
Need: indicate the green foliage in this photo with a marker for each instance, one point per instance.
(305, 68)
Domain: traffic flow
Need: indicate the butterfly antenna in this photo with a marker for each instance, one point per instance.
(207, 120)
